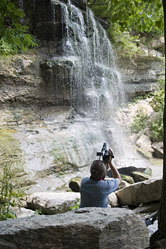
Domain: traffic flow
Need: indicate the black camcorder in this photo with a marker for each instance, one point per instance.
(105, 154)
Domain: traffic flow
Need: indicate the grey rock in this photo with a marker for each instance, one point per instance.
(98, 228)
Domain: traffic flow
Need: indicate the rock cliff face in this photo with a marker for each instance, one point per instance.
(140, 75)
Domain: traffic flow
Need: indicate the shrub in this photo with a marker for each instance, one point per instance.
(140, 122)
(157, 101)
(8, 196)
(14, 35)
(156, 128)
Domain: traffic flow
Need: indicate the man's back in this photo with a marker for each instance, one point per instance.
(95, 193)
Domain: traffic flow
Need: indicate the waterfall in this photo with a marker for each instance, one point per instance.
(99, 90)
(95, 84)
(80, 74)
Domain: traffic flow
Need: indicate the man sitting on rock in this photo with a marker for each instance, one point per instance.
(95, 190)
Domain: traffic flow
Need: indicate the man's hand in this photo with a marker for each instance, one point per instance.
(111, 153)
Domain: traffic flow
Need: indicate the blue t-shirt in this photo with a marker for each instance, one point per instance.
(95, 193)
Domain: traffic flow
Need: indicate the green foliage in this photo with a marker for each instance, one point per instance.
(38, 211)
(139, 122)
(155, 124)
(158, 98)
(9, 197)
(156, 128)
(126, 44)
(76, 206)
(14, 35)
(129, 21)
(134, 16)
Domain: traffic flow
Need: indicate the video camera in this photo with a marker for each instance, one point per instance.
(104, 153)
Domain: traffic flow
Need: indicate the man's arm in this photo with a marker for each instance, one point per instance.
(115, 172)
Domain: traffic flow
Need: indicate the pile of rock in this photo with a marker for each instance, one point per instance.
(142, 196)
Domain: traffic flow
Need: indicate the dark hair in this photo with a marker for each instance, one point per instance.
(98, 170)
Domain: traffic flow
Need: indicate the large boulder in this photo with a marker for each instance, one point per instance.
(144, 146)
(142, 192)
(51, 202)
(99, 228)
(158, 149)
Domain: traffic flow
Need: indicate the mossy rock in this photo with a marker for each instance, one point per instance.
(75, 183)
(128, 179)
(139, 176)
(11, 153)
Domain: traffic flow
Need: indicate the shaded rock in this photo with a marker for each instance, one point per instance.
(90, 228)
(139, 176)
(160, 244)
(142, 192)
(51, 202)
(75, 183)
(158, 149)
(148, 208)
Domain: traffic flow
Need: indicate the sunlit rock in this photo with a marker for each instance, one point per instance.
(144, 146)
(51, 202)
(142, 192)
(113, 200)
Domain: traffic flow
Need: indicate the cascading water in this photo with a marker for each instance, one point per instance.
(95, 85)
(85, 43)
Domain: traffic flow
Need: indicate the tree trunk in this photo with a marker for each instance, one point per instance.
(158, 239)
(162, 210)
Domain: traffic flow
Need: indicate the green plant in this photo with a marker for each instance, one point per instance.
(76, 206)
(156, 128)
(157, 101)
(126, 44)
(140, 122)
(38, 211)
(9, 197)
(14, 35)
